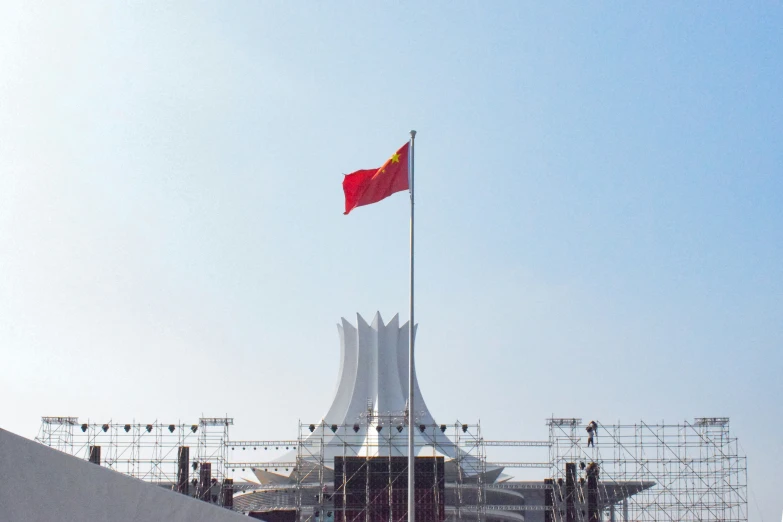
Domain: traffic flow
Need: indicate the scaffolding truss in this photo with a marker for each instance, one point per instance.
(646, 472)
(374, 450)
(690, 471)
(147, 451)
(57, 433)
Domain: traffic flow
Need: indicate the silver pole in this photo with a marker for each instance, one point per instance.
(411, 371)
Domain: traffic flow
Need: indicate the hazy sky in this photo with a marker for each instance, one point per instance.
(599, 211)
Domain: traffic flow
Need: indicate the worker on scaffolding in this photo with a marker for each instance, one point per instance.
(592, 432)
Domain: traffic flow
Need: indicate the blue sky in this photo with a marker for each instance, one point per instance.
(599, 210)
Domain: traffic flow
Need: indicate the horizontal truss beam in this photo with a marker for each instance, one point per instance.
(267, 465)
(316, 443)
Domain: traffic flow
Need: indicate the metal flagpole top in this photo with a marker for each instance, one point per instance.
(413, 134)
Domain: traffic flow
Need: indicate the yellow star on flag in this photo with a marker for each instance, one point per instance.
(395, 158)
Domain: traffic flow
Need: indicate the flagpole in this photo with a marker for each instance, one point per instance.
(411, 372)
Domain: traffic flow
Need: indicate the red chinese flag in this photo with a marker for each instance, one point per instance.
(364, 187)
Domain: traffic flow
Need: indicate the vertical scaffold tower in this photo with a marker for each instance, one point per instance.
(57, 432)
(689, 471)
(213, 443)
(471, 465)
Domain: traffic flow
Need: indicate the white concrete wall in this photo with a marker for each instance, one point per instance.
(39, 484)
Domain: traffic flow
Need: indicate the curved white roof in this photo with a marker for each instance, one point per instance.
(371, 393)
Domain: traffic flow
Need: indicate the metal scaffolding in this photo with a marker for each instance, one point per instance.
(647, 472)
(373, 448)
(471, 464)
(690, 471)
(57, 433)
(147, 451)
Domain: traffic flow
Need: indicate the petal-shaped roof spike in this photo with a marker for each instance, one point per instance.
(377, 321)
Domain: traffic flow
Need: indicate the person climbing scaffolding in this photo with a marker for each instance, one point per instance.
(592, 432)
